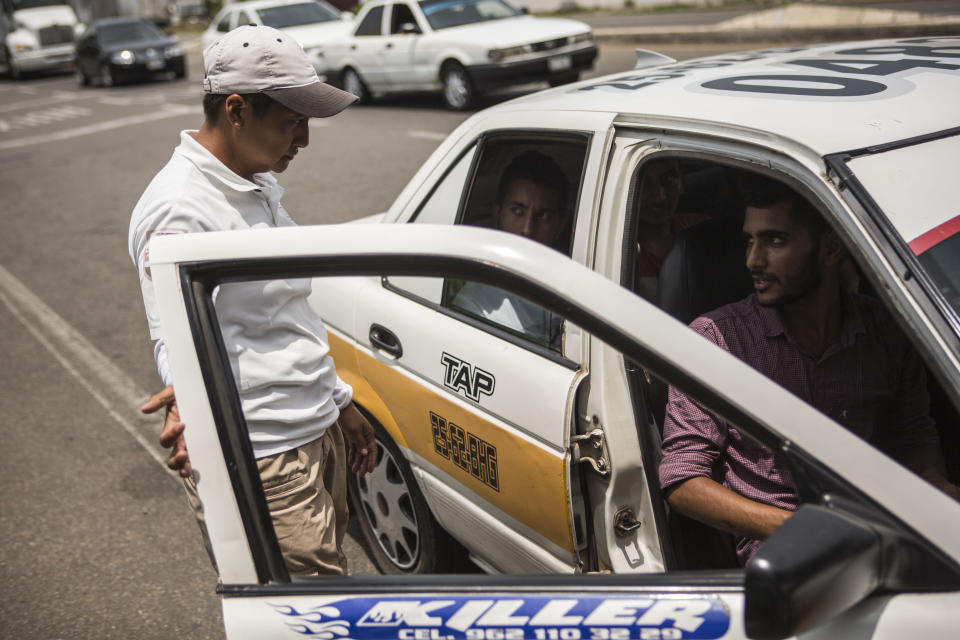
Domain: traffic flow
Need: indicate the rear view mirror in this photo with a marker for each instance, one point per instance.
(818, 564)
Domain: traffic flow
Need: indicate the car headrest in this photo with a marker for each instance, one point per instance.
(705, 269)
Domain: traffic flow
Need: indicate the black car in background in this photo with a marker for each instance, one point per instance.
(117, 50)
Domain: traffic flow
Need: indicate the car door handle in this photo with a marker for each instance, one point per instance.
(389, 45)
(353, 47)
(385, 340)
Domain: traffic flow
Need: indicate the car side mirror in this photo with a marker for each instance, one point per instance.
(818, 564)
(525, 10)
(409, 28)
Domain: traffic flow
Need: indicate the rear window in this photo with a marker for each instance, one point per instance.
(292, 15)
(443, 14)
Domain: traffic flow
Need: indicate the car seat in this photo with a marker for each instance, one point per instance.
(704, 270)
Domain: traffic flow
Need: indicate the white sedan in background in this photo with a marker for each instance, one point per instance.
(312, 22)
(462, 47)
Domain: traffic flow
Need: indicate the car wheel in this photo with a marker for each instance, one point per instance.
(566, 78)
(82, 79)
(353, 83)
(107, 78)
(458, 92)
(180, 73)
(401, 534)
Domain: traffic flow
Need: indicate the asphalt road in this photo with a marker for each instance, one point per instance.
(97, 538)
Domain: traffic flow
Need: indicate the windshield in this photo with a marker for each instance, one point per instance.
(294, 15)
(130, 32)
(443, 14)
(917, 189)
(30, 4)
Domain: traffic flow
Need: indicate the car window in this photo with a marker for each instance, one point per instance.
(520, 184)
(292, 15)
(402, 14)
(129, 32)
(443, 14)
(751, 263)
(371, 23)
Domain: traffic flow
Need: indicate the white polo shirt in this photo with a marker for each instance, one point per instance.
(277, 343)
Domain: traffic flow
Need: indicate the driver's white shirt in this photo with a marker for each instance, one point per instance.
(276, 342)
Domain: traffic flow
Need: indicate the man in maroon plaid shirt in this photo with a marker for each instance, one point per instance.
(839, 351)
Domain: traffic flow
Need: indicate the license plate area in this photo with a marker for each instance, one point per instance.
(559, 63)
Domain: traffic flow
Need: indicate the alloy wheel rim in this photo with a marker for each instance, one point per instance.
(388, 506)
(455, 88)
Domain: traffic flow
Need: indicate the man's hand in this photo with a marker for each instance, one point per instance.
(358, 432)
(172, 434)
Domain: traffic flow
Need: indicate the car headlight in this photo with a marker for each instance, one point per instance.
(78, 30)
(583, 37)
(499, 54)
(123, 57)
(173, 51)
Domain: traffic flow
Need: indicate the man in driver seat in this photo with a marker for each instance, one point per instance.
(840, 352)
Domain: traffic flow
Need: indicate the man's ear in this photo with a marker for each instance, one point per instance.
(236, 109)
(831, 248)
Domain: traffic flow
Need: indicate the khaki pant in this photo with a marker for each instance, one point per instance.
(306, 492)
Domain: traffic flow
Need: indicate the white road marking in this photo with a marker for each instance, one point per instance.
(46, 116)
(57, 98)
(168, 111)
(427, 135)
(87, 364)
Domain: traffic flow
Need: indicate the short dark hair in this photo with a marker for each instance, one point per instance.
(536, 167)
(213, 104)
(761, 192)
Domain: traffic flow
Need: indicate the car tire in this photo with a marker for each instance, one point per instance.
(458, 91)
(565, 78)
(83, 79)
(180, 73)
(400, 531)
(353, 83)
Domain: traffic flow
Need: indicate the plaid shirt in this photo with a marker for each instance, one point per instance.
(870, 380)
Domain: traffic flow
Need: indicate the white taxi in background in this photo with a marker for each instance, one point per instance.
(461, 47)
(312, 22)
(537, 453)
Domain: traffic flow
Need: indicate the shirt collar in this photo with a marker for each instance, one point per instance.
(211, 166)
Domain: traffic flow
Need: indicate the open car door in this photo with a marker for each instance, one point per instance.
(823, 569)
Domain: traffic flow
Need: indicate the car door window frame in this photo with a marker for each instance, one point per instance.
(394, 27)
(198, 283)
(477, 147)
(374, 17)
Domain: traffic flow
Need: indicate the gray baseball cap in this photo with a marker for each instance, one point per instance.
(260, 59)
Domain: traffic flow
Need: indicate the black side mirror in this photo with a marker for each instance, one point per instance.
(818, 564)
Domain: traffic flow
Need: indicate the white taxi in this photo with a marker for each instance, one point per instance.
(461, 47)
(312, 22)
(533, 447)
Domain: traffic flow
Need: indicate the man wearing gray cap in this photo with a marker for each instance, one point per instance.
(261, 90)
